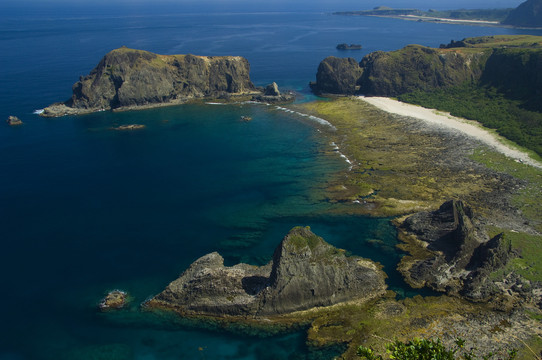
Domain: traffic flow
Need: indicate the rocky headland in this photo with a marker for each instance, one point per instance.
(527, 15)
(305, 272)
(133, 79)
(481, 60)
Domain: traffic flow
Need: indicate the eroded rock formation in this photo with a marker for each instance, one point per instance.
(451, 253)
(305, 272)
(128, 78)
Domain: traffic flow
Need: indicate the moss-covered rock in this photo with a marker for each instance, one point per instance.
(127, 78)
(305, 272)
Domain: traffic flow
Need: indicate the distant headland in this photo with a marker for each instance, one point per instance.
(128, 79)
(527, 14)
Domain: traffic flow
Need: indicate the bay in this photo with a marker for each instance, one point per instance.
(85, 208)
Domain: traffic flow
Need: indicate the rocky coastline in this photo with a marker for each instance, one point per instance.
(304, 273)
(130, 79)
(399, 168)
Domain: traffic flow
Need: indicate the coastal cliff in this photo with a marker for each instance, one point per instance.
(305, 272)
(129, 78)
(527, 14)
(495, 80)
(415, 67)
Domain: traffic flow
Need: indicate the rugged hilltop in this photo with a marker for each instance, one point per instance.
(305, 272)
(127, 78)
(527, 14)
(486, 60)
(496, 80)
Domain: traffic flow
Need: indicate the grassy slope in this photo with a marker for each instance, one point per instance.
(491, 101)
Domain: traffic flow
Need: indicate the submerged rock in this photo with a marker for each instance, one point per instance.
(14, 120)
(114, 300)
(130, 127)
(305, 272)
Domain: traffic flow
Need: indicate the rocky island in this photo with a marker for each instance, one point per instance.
(133, 79)
(345, 46)
(305, 272)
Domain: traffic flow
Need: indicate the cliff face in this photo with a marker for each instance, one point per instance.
(517, 73)
(512, 64)
(338, 76)
(128, 78)
(305, 272)
(415, 68)
(412, 68)
(528, 14)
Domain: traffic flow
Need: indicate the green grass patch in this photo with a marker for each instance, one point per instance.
(529, 197)
(489, 107)
(529, 247)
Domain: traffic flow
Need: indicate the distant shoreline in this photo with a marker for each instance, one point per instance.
(444, 20)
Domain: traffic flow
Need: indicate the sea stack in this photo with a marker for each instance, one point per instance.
(305, 272)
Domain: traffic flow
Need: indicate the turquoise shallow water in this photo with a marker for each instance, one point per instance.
(85, 209)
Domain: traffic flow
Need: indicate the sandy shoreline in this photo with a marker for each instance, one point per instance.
(445, 120)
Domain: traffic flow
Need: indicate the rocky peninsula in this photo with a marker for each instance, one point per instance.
(133, 79)
(305, 272)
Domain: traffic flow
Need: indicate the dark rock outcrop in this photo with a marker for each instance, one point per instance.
(460, 257)
(14, 120)
(128, 78)
(527, 14)
(382, 73)
(114, 300)
(510, 64)
(345, 46)
(305, 272)
(337, 76)
(271, 94)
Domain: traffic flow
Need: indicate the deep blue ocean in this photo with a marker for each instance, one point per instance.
(85, 209)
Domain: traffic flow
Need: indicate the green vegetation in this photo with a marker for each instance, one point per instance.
(489, 107)
(461, 14)
(529, 198)
(424, 349)
(391, 175)
(300, 240)
(528, 264)
(470, 14)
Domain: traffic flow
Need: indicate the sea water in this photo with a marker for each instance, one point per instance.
(85, 208)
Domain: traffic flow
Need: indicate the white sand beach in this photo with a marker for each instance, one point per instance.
(445, 120)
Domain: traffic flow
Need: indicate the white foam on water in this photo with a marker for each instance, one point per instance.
(311, 117)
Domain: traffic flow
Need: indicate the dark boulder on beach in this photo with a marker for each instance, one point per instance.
(305, 272)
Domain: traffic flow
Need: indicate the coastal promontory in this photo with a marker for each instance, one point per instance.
(304, 272)
(128, 78)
